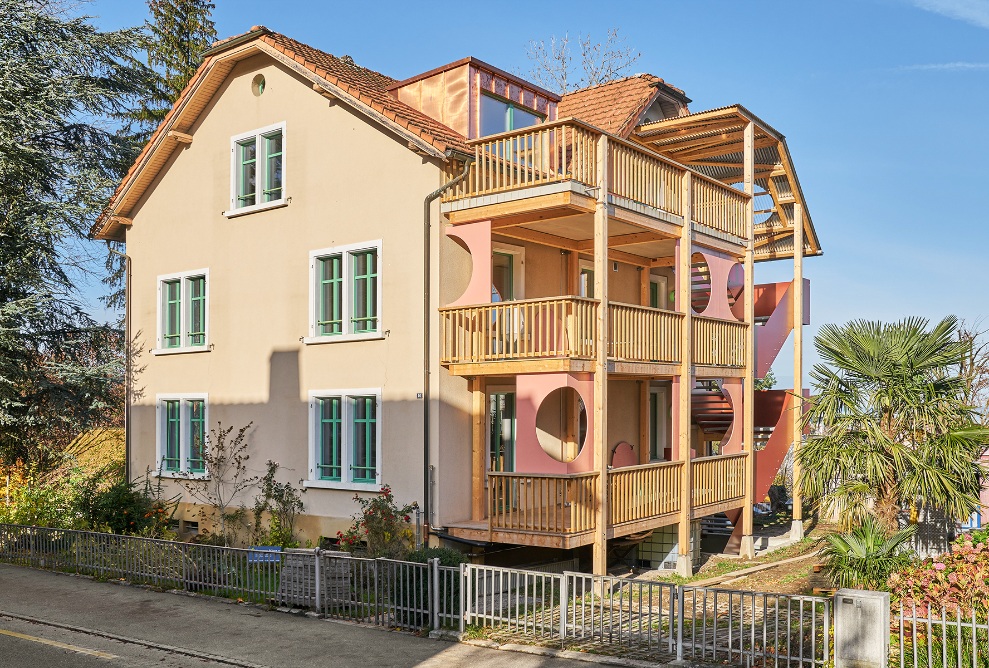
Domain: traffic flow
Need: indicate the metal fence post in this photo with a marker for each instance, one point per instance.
(319, 581)
(462, 612)
(680, 606)
(434, 581)
(564, 602)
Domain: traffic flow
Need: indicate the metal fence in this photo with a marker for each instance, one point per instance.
(628, 617)
(939, 639)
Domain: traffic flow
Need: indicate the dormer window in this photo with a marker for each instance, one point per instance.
(501, 115)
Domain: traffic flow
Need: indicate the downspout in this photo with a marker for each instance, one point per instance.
(426, 330)
(127, 357)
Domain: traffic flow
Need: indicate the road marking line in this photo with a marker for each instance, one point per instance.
(61, 645)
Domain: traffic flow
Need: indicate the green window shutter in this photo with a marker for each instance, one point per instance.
(171, 308)
(328, 464)
(329, 316)
(172, 429)
(247, 151)
(197, 310)
(364, 423)
(365, 304)
(273, 167)
(197, 436)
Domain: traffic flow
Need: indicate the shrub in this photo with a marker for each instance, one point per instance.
(446, 555)
(866, 555)
(959, 578)
(381, 527)
(281, 502)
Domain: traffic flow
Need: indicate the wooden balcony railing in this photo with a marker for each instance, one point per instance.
(546, 153)
(640, 492)
(717, 479)
(535, 503)
(718, 206)
(566, 150)
(642, 334)
(644, 177)
(525, 329)
(719, 342)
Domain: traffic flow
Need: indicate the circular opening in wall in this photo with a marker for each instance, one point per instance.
(736, 282)
(257, 85)
(561, 424)
(700, 283)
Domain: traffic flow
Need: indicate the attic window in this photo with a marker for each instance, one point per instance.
(257, 85)
(500, 115)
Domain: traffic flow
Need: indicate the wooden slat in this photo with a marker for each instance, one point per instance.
(717, 480)
(718, 342)
(642, 492)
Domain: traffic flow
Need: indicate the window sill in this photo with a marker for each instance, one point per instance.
(254, 208)
(176, 475)
(351, 486)
(181, 351)
(342, 338)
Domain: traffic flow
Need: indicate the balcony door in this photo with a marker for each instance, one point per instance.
(501, 434)
(659, 408)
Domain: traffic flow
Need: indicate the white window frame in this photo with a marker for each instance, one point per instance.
(345, 438)
(185, 347)
(258, 205)
(583, 264)
(347, 294)
(518, 276)
(185, 441)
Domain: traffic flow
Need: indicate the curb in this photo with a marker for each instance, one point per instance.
(135, 641)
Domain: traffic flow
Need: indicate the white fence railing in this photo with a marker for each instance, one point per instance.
(638, 617)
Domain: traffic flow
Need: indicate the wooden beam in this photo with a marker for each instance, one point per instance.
(684, 382)
(624, 240)
(601, 272)
(180, 137)
(120, 220)
(664, 262)
(747, 547)
(478, 448)
(699, 153)
(537, 237)
(797, 311)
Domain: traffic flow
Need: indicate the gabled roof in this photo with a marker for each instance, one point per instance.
(364, 90)
(615, 106)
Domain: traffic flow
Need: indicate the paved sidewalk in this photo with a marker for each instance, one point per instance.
(236, 632)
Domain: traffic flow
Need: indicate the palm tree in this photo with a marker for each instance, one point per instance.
(865, 556)
(890, 428)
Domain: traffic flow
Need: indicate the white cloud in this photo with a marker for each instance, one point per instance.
(946, 67)
(975, 12)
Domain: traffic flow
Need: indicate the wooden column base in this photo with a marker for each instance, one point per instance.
(685, 565)
(747, 549)
(797, 530)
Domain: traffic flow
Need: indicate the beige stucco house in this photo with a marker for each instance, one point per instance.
(567, 365)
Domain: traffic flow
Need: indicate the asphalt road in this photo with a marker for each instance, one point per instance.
(232, 634)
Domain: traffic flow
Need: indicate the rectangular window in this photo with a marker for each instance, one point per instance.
(330, 432)
(183, 316)
(500, 115)
(182, 436)
(346, 292)
(345, 438)
(258, 168)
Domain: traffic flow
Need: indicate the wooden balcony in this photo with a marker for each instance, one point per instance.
(559, 334)
(559, 510)
(546, 170)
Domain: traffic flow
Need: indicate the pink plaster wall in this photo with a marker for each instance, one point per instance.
(530, 391)
(476, 237)
(732, 388)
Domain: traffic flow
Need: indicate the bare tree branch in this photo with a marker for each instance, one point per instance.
(553, 65)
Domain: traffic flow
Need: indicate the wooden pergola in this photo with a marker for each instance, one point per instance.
(712, 142)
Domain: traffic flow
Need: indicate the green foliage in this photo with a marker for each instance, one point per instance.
(123, 507)
(767, 382)
(49, 501)
(60, 371)
(280, 502)
(956, 579)
(381, 527)
(446, 555)
(890, 426)
(865, 556)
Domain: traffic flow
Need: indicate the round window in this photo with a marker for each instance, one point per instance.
(257, 85)
(561, 424)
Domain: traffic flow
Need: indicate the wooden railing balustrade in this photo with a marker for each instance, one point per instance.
(719, 342)
(718, 206)
(641, 492)
(643, 334)
(537, 503)
(644, 177)
(524, 329)
(717, 479)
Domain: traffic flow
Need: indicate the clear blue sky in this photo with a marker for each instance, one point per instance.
(883, 103)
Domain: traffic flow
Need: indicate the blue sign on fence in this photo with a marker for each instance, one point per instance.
(262, 554)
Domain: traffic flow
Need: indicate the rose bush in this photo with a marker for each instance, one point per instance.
(956, 579)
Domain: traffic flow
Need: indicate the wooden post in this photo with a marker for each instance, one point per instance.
(747, 547)
(478, 448)
(644, 286)
(685, 566)
(573, 272)
(797, 527)
(600, 553)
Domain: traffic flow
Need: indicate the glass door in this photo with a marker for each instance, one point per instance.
(501, 446)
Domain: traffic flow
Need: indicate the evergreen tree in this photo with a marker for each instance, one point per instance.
(176, 36)
(60, 371)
